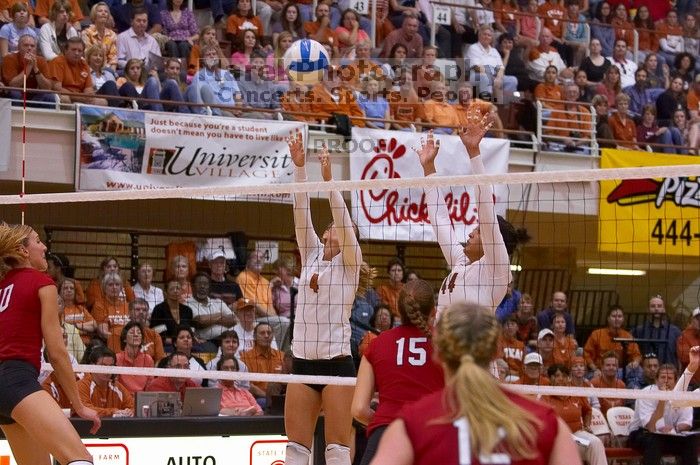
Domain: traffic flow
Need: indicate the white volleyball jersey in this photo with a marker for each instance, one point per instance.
(484, 282)
(326, 288)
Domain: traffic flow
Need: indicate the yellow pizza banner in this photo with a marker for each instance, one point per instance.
(649, 216)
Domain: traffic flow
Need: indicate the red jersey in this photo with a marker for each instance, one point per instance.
(437, 442)
(20, 315)
(404, 371)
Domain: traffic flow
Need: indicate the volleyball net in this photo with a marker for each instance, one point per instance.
(617, 235)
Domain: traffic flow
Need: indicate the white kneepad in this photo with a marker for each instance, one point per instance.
(296, 454)
(337, 455)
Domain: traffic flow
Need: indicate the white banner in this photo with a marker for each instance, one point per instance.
(401, 215)
(200, 450)
(5, 130)
(122, 149)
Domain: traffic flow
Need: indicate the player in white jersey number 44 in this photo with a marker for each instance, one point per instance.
(480, 267)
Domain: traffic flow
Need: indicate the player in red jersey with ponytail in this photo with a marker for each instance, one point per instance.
(474, 420)
(398, 364)
(31, 420)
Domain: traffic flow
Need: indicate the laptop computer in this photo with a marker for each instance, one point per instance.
(202, 402)
(158, 404)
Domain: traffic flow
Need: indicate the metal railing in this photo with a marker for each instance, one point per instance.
(546, 124)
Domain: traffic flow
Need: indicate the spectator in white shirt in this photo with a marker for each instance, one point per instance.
(657, 425)
(627, 67)
(55, 34)
(212, 316)
(135, 42)
(484, 60)
(145, 289)
(543, 56)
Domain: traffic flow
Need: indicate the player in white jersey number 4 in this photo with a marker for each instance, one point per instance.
(480, 268)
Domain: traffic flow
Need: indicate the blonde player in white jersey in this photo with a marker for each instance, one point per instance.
(480, 269)
(330, 272)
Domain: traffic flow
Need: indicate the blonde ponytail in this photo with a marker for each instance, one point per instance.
(467, 336)
(12, 237)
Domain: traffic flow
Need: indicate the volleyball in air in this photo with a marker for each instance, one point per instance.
(305, 61)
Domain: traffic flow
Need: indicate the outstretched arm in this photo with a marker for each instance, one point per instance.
(435, 200)
(687, 375)
(347, 240)
(303, 225)
(491, 239)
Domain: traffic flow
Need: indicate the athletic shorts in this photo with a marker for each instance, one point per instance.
(18, 379)
(341, 366)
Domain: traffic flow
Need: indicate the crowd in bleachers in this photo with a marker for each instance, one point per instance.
(209, 315)
(225, 55)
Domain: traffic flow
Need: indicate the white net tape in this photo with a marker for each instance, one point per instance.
(676, 397)
(562, 176)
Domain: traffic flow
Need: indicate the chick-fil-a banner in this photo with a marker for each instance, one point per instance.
(402, 215)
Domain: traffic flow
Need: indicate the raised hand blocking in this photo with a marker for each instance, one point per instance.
(477, 126)
(325, 162)
(429, 148)
(295, 142)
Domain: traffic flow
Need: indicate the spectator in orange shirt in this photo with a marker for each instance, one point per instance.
(321, 30)
(576, 412)
(554, 15)
(257, 289)
(693, 100)
(330, 96)
(623, 128)
(404, 104)
(74, 313)
(511, 349)
(624, 29)
(297, 99)
(243, 18)
(112, 310)
(262, 358)
(670, 34)
(549, 89)
(465, 101)
(426, 73)
(25, 65)
(644, 25)
(564, 344)
(439, 111)
(103, 392)
(362, 67)
(690, 337)
(71, 73)
(601, 341)
(608, 379)
(42, 10)
(389, 291)
(94, 291)
(532, 371)
(572, 122)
